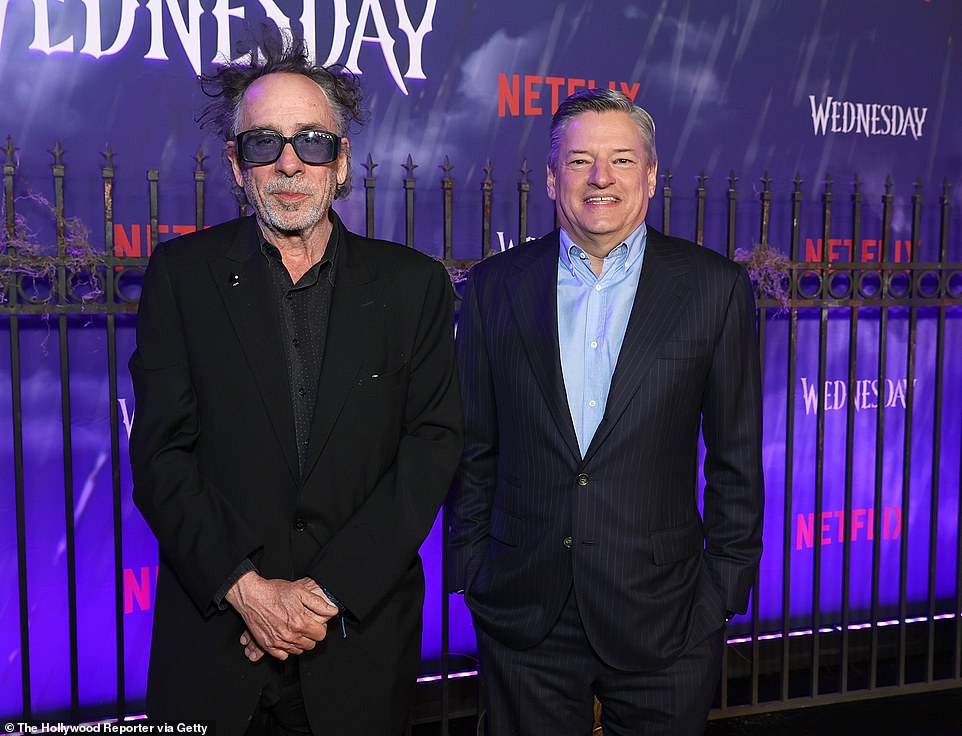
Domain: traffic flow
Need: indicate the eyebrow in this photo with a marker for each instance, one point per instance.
(298, 127)
(580, 151)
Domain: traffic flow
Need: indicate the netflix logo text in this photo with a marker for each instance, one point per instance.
(867, 251)
(139, 586)
(133, 240)
(833, 528)
(527, 94)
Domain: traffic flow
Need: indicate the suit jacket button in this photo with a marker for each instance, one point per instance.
(567, 542)
(299, 525)
(582, 480)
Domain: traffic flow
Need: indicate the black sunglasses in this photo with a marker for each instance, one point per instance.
(265, 146)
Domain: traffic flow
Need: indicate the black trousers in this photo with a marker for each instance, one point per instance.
(280, 711)
(550, 688)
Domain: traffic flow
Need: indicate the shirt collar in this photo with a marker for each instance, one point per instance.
(634, 244)
(329, 257)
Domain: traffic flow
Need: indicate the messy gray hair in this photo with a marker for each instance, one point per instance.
(274, 53)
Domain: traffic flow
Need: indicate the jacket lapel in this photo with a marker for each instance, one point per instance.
(244, 281)
(663, 289)
(351, 326)
(534, 302)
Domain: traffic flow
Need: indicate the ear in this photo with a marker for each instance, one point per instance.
(343, 157)
(652, 179)
(551, 188)
(235, 163)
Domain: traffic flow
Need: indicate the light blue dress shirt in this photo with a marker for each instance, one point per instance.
(592, 318)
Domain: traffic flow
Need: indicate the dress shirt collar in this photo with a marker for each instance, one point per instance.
(625, 256)
(329, 257)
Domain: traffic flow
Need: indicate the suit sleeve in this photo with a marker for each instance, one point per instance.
(468, 509)
(198, 531)
(732, 428)
(365, 559)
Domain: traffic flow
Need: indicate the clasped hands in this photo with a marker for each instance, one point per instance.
(282, 617)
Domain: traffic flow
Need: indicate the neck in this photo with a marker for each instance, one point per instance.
(302, 249)
(597, 263)
(597, 251)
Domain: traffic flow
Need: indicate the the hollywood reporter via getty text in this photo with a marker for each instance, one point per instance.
(111, 728)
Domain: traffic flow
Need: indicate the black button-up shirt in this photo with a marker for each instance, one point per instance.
(304, 310)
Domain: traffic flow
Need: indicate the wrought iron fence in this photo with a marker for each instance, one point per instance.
(852, 655)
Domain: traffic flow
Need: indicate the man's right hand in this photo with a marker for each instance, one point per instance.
(283, 617)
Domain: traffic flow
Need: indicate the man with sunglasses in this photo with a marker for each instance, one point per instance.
(297, 425)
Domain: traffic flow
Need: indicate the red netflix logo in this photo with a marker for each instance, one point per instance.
(869, 251)
(834, 529)
(139, 588)
(133, 241)
(528, 94)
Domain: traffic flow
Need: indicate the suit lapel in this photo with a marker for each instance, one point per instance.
(663, 290)
(244, 281)
(534, 302)
(351, 326)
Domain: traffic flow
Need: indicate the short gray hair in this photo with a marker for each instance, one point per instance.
(600, 100)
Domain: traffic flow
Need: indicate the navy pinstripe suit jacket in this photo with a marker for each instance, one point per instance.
(529, 516)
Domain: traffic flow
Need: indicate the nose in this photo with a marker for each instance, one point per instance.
(600, 175)
(288, 163)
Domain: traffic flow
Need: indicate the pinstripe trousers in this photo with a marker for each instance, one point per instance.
(549, 689)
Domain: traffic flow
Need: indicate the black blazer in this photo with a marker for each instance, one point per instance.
(529, 516)
(216, 471)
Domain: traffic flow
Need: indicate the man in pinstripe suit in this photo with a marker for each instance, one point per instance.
(589, 359)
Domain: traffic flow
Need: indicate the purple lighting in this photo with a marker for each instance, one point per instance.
(850, 627)
(452, 676)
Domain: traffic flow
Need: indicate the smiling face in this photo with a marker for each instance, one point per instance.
(602, 181)
(288, 196)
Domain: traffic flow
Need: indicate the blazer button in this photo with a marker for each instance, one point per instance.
(582, 480)
(299, 525)
(567, 542)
